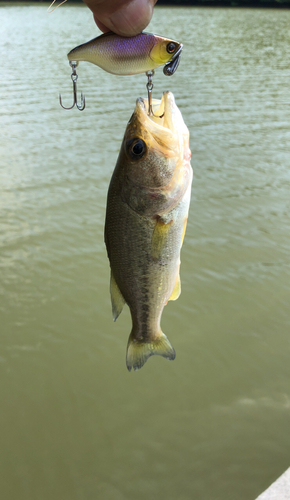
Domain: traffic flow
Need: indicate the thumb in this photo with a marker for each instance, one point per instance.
(124, 17)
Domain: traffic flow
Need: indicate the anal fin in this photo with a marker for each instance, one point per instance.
(177, 289)
(184, 229)
(117, 298)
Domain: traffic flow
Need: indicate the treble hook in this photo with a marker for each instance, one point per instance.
(149, 87)
(74, 78)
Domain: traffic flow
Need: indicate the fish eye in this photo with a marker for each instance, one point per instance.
(171, 46)
(136, 148)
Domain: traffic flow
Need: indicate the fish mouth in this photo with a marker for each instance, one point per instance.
(164, 131)
(165, 115)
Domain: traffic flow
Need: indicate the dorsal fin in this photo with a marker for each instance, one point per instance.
(117, 298)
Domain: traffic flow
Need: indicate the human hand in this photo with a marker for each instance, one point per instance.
(124, 17)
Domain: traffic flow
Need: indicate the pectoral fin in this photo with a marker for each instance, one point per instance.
(159, 237)
(176, 290)
(117, 298)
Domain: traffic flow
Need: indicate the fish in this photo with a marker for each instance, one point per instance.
(128, 55)
(146, 216)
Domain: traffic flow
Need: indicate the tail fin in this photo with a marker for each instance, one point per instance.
(139, 350)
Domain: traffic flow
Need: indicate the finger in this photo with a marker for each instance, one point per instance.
(124, 17)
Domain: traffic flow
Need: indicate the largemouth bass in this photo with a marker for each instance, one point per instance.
(147, 209)
(129, 56)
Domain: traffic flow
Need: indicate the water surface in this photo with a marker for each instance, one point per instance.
(215, 423)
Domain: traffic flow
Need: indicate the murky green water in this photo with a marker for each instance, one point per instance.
(215, 423)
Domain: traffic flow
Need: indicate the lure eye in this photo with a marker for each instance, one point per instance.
(136, 148)
(171, 46)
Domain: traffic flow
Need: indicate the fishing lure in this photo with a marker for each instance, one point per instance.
(127, 55)
(119, 55)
